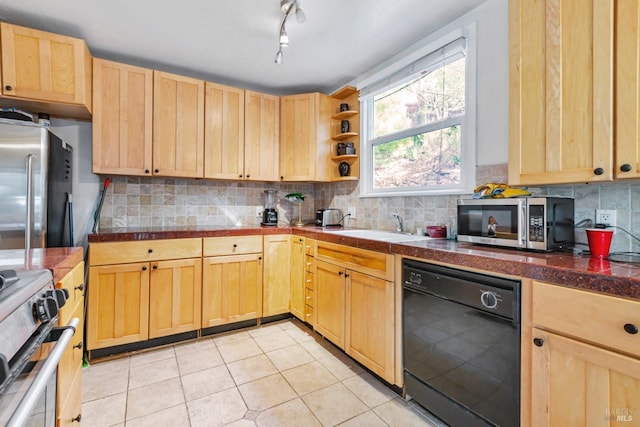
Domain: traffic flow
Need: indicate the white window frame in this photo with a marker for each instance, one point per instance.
(398, 71)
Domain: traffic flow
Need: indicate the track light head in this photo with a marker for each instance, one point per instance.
(288, 7)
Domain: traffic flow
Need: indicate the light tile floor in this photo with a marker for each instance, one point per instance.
(279, 374)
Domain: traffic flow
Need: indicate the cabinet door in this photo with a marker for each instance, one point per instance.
(298, 277)
(69, 371)
(231, 289)
(370, 323)
(69, 412)
(261, 136)
(178, 126)
(45, 66)
(627, 77)
(330, 300)
(298, 129)
(122, 118)
(118, 306)
(577, 384)
(175, 290)
(277, 270)
(561, 91)
(224, 132)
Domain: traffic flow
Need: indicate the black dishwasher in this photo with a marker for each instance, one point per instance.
(461, 344)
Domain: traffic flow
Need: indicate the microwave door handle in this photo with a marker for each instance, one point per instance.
(522, 230)
(30, 399)
(30, 203)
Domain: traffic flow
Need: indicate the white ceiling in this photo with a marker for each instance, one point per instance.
(235, 41)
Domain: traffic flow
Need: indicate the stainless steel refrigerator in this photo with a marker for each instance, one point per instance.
(35, 186)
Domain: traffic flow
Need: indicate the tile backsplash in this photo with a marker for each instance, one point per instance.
(158, 202)
(140, 202)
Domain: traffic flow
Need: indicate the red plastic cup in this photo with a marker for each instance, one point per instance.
(599, 242)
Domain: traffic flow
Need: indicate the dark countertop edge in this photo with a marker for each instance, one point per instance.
(124, 236)
(59, 260)
(581, 272)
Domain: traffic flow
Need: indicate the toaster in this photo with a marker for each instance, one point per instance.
(328, 217)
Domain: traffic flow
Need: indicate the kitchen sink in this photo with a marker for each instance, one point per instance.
(384, 236)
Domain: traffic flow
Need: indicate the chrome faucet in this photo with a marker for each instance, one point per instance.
(398, 219)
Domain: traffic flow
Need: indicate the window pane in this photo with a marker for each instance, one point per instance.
(424, 160)
(432, 97)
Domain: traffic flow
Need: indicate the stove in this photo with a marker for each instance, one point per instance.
(31, 346)
(27, 299)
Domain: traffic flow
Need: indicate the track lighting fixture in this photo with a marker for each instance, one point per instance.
(287, 7)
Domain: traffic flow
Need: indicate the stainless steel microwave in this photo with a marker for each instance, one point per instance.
(537, 223)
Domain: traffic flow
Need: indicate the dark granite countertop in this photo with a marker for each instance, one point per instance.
(580, 271)
(59, 260)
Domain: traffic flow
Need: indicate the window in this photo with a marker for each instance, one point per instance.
(416, 138)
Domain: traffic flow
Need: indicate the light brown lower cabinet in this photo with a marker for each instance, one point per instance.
(231, 279)
(118, 306)
(330, 301)
(175, 297)
(585, 358)
(143, 289)
(578, 384)
(69, 372)
(347, 294)
(277, 270)
(231, 289)
(354, 304)
(369, 323)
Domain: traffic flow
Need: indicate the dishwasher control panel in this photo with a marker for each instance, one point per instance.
(483, 292)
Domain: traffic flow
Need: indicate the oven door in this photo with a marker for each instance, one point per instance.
(28, 394)
(497, 222)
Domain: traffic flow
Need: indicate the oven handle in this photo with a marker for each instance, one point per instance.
(49, 367)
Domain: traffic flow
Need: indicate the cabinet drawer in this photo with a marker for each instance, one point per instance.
(596, 318)
(73, 282)
(69, 411)
(308, 297)
(214, 246)
(308, 280)
(375, 264)
(309, 263)
(143, 250)
(310, 247)
(70, 364)
(308, 314)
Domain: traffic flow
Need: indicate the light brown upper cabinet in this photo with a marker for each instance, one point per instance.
(178, 127)
(224, 132)
(561, 91)
(627, 90)
(261, 136)
(51, 71)
(305, 150)
(122, 119)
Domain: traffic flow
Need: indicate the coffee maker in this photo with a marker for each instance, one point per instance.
(270, 214)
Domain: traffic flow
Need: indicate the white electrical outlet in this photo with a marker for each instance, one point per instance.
(606, 216)
(351, 211)
(259, 210)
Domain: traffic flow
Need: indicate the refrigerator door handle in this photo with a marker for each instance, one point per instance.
(30, 202)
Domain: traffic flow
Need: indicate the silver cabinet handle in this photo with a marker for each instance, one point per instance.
(49, 367)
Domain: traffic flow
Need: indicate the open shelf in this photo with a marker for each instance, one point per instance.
(344, 157)
(344, 115)
(345, 178)
(346, 135)
(347, 95)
